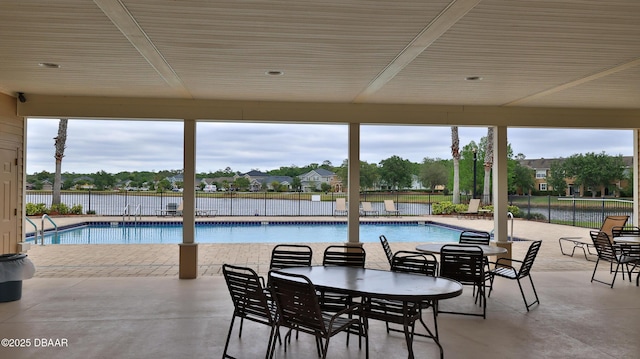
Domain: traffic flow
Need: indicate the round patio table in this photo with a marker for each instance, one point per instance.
(375, 283)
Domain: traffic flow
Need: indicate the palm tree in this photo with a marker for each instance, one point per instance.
(60, 145)
(488, 164)
(455, 152)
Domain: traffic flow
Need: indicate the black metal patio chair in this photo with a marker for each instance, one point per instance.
(249, 302)
(608, 252)
(299, 308)
(466, 264)
(505, 270)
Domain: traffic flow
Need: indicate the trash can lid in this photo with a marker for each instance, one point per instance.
(11, 257)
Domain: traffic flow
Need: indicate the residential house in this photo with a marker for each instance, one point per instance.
(312, 180)
(542, 168)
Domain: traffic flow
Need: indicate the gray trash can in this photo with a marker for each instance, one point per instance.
(13, 269)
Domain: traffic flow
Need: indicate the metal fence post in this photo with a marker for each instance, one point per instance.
(549, 206)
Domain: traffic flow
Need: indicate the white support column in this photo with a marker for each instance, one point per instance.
(353, 230)
(188, 247)
(500, 183)
(636, 177)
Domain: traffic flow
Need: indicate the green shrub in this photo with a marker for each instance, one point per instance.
(36, 209)
(59, 209)
(445, 207)
(76, 209)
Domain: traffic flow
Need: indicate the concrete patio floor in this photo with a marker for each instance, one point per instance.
(125, 301)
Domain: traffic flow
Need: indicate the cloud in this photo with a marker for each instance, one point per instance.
(115, 146)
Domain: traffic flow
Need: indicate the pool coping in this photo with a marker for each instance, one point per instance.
(246, 221)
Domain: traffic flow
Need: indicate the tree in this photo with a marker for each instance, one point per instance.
(557, 178)
(296, 184)
(60, 145)
(368, 173)
(522, 177)
(242, 183)
(395, 172)
(369, 176)
(455, 153)
(325, 187)
(433, 172)
(595, 171)
(276, 186)
(103, 180)
(488, 165)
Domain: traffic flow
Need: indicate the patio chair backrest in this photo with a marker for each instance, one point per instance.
(348, 256)
(462, 263)
(415, 262)
(474, 205)
(341, 204)
(297, 302)
(387, 249)
(290, 255)
(603, 245)
(389, 206)
(248, 295)
(613, 221)
(619, 231)
(529, 258)
(475, 237)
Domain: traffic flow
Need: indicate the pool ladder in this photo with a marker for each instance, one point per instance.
(127, 213)
(41, 231)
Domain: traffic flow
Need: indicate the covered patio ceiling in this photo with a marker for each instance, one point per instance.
(465, 62)
(519, 63)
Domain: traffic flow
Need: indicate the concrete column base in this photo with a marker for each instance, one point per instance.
(507, 255)
(188, 261)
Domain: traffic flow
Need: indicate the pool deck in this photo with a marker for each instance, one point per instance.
(126, 301)
(135, 260)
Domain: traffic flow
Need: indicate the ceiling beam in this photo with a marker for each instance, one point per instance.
(324, 112)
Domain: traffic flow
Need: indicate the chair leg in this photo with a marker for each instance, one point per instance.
(534, 291)
(594, 270)
(226, 345)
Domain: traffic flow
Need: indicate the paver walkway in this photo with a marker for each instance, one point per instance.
(135, 260)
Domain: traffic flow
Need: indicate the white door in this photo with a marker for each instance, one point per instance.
(9, 197)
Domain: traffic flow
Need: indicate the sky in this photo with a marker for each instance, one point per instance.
(117, 145)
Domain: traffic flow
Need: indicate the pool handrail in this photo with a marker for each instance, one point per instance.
(55, 226)
(35, 235)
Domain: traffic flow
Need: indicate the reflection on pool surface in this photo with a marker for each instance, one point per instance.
(249, 232)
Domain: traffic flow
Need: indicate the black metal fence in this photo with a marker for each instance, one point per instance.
(583, 212)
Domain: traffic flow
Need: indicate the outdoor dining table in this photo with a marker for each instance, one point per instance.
(436, 247)
(381, 284)
(627, 239)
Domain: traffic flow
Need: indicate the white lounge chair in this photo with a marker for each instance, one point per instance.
(367, 209)
(473, 210)
(390, 207)
(341, 207)
(170, 210)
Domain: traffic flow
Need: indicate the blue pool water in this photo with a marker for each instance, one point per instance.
(158, 233)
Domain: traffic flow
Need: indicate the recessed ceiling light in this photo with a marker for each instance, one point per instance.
(274, 73)
(473, 78)
(49, 65)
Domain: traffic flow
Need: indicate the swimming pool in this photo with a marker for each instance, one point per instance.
(249, 232)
